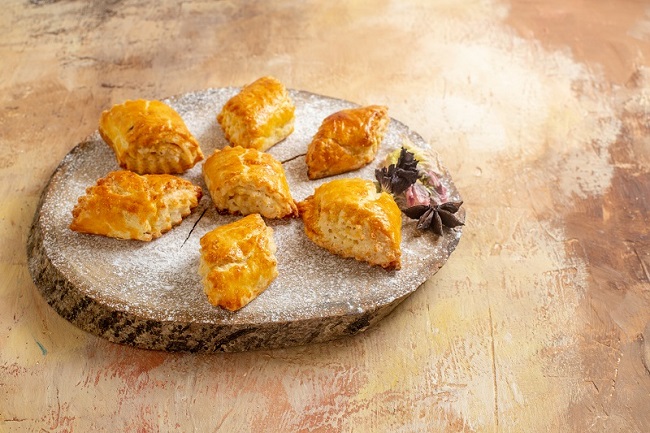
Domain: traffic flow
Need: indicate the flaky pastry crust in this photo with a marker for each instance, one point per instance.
(346, 140)
(245, 181)
(149, 137)
(350, 218)
(238, 262)
(259, 116)
(126, 205)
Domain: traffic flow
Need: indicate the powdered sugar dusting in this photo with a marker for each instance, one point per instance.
(159, 280)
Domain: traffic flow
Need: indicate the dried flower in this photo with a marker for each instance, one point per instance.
(425, 196)
(396, 178)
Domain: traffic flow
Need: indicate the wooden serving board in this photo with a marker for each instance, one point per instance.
(150, 295)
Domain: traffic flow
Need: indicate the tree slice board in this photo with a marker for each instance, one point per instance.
(150, 295)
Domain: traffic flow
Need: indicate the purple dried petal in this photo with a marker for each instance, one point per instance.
(407, 160)
(396, 178)
(438, 187)
(417, 194)
(401, 180)
(383, 177)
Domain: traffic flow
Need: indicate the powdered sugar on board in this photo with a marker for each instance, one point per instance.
(159, 280)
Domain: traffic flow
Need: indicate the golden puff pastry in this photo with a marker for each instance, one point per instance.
(350, 218)
(346, 140)
(238, 262)
(259, 116)
(245, 181)
(126, 205)
(149, 137)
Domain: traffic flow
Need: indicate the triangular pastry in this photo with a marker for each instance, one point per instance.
(237, 262)
(259, 116)
(126, 205)
(346, 140)
(149, 137)
(245, 181)
(350, 218)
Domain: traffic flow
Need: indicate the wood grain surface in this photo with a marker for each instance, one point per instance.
(540, 322)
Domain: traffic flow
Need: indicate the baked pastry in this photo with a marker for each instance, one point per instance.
(346, 140)
(259, 116)
(126, 205)
(149, 137)
(238, 262)
(244, 181)
(350, 218)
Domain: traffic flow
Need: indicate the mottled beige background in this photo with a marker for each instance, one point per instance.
(540, 110)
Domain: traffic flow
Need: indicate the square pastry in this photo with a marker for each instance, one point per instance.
(238, 262)
(346, 140)
(149, 137)
(127, 205)
(259, 116)
(244, 181)
(348, 217)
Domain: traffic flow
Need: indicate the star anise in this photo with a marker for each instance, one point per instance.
(396, 178)
(436, 216)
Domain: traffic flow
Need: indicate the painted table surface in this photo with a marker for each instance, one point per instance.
(540, 320)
